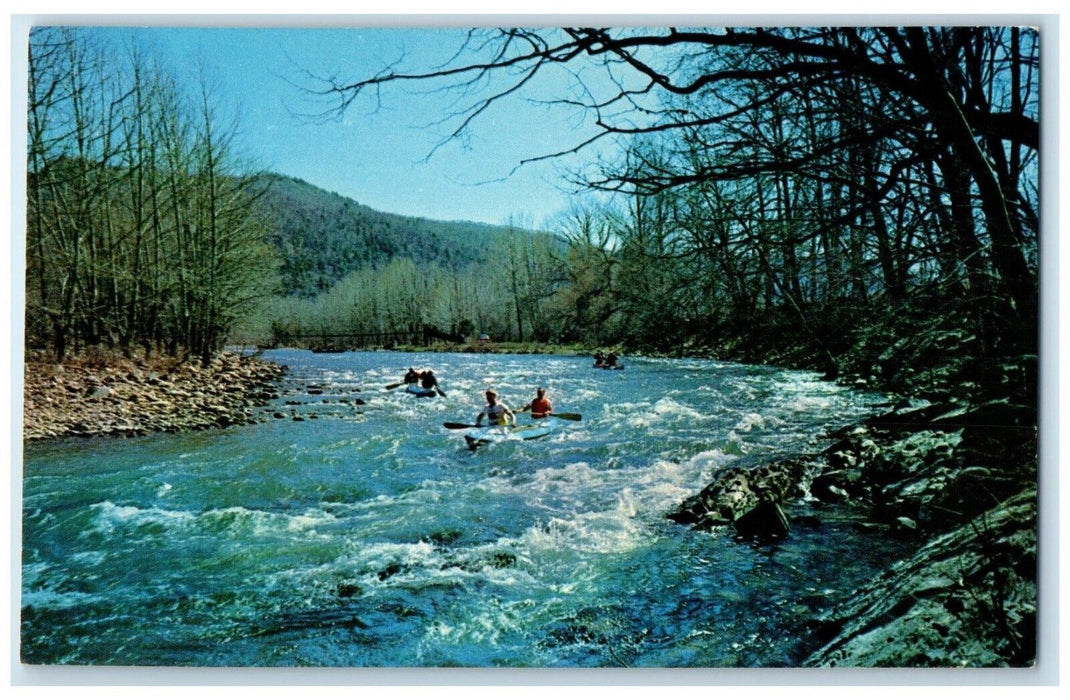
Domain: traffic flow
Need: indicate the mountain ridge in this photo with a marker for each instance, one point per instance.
(322, 236)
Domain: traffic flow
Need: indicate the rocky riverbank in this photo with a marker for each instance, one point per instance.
(961, 482)
(97, 394)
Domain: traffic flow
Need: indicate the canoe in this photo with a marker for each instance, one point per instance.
(417, 390)
(476, 437)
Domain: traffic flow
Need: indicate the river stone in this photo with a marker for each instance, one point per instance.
(906, 523)
(98, 392)
(737, 493)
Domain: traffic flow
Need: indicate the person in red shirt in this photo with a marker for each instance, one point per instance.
(540, 406)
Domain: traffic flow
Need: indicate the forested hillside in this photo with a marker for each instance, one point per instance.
(347, 270)
(322, 236)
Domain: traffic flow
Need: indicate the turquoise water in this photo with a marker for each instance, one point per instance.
(356, 530)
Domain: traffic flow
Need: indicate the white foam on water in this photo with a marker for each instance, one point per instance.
(235, 520)
(574, 497)
(637, 414)
(640, 421)
(670, 408)
(379, 555)
(418, 565)
(556, 479)
(342, 375)
(110, 517)
(665, 483)
(90, 558)
(708, 462)
(55, 600)
(604, 532)
(735, 445)
(581, 395)
(809, 404)
(238, 520)
(626, 504)
(486, 627)
(748, 422)
(306, 523)
(665, 412)
(645, 490)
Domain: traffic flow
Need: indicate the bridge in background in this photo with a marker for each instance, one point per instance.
(338, 341)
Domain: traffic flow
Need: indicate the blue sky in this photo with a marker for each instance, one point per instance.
(379, 157)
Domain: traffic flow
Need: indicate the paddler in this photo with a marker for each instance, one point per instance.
(540, 406)
(496, 413)
(428, 380)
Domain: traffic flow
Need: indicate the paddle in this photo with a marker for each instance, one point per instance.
(388, 387)
(440, 392)
(562, 416)
(461, 426)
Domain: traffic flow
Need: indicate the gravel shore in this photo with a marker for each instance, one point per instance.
(97, 395)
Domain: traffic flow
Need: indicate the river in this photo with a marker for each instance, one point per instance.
(356, 531)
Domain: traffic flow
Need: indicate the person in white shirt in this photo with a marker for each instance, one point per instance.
(496, 413)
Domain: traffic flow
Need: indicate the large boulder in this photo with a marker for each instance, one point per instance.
(965, 599)
(746, 498)
(928, 465)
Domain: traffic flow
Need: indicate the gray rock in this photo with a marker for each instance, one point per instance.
(966, 599)
(98, 392)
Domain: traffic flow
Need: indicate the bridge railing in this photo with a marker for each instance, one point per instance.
(339, 341)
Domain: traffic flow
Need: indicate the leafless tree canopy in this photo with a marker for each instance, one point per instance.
(140, 225)
(806, 164)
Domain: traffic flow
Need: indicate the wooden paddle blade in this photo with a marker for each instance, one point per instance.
(458, 426)
(567, 416)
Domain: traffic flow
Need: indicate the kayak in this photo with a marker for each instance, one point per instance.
(417, 390)
(477, 437)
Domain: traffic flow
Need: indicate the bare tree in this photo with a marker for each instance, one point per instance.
(861, 111)
(140, 226)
